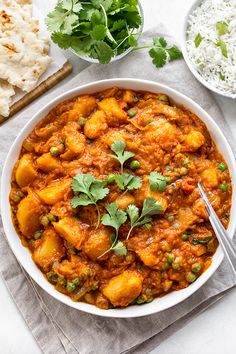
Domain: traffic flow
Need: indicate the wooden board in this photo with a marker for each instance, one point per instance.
(39, 90)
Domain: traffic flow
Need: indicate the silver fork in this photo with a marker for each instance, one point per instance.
(222, 234)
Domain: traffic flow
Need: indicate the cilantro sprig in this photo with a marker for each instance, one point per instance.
(150, 207)
(128, 182)
(118, 147)
(115, 218)
(88, 190)
(158, 182)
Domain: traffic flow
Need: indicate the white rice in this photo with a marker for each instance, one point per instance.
(207, 58)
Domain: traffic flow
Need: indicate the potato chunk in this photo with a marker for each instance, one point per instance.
(210, 178)
(95, 125)
(25, 172)
(125, 200)
(50, 250)
(75, 141)
(55, 191)
(85, 105)
(98, 243)
(113, 111)
(124, 288)
(70, 229)
(28, 214)
(47, 162)
(194, 140)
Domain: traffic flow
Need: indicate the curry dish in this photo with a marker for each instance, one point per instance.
(105, 197)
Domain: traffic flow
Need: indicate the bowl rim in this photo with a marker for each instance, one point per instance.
(189, 63)
(23, 255)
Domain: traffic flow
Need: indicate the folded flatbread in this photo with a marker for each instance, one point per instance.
(6, 92)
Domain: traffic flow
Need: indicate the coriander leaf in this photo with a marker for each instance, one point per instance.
(223, 47)
(134, 20)
(105, 3)
(158, 182)
(132, 41)
(55, 20)
(150, 207)
(63, 40)
(198, 39)
(68, 23)
(120, 249)
(97, 18)
(174, 53)
(103, 52)
(118, 147)
(221, 27)
(66, 4)
(115, 217)
(77, 7)
(159, 42)
(133, 214)
(90, 191)
(118, 25)
(159, 56)
(99, 32)
(127, 181)
(87, 13)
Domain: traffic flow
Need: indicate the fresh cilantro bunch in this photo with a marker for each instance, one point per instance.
(88, 190)
(100, 29)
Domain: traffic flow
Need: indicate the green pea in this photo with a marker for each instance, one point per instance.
(38, 235)
(221, 166)
(44, 220)
(94, 287)
(175, 265)
(131, 113)
(196, 268)
(150, 299)
(52, 217)
(134, 165)
(168, 169)
(166, 266)
(76, 281)
(190, 277)
(185, 237)
(81, 121)
(54, 151)
(140, 300)
(60, 280)
(111, 178)
(163, 98)
(52, 276)
(170, 258)
(224, 187)
(170, 218)
(148, 226)
(186, 161)
(70, 287)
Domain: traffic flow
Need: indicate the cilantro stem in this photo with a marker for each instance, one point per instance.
(110, 249)
(143, 47)
(99, 216)
(130, 230)
(109, 35)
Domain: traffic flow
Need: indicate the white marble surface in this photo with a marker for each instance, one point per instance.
(213, 332)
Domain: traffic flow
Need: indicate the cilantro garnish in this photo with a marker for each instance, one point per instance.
(162, 54)
(158, 182)
(115, 218)
(90, 190)
(222, 28)
(118, 147)
(150, 207)
(128, 182)
(198, 39)
(220, 43)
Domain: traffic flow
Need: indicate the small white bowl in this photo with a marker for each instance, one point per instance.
(122, 55)
(23, 254)
(191, 67)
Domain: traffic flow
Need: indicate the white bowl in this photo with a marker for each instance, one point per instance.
(191, 67)
(22, 253)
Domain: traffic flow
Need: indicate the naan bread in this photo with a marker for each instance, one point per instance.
(23, 54)
(6, 92)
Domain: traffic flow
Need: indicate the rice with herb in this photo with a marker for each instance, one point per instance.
(211, 43)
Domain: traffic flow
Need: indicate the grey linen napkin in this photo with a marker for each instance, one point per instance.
(60, 329)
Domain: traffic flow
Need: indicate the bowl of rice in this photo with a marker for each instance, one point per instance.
(209, 44)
